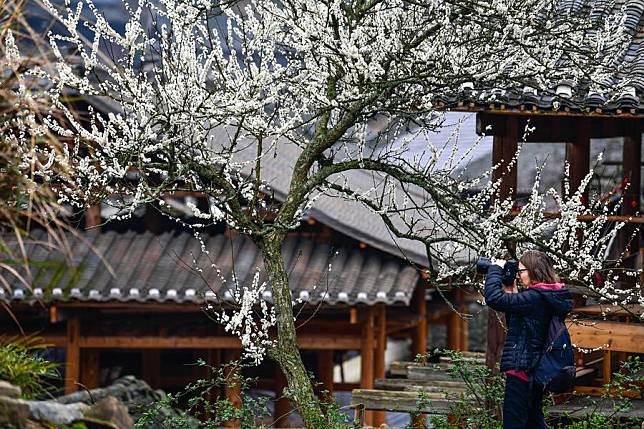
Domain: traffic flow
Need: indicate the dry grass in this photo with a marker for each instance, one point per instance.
(25, 201)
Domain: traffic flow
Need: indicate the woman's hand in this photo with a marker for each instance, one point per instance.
(512, 288)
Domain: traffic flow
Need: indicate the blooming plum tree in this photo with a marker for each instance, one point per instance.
(206, 94)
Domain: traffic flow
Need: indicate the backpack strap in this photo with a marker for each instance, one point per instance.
(548, 347)
(557, 335)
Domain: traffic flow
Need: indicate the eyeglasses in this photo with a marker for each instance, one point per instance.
(520, 270)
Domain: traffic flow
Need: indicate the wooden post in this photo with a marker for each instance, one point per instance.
(457, 326)
(503, 150)
(282, 404)
(578, 157)
(72, 355)
(232, 390)
(454, 331)
(366, 356)
(419, 339)
(93, 217)
(90, 368)
(325, 369)
(462, 302)
(379, 417)
(151, 367)
(607, 367)
(632, 168)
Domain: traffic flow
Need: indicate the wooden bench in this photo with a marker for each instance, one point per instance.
(420, 388)
(407, 401)
(612, 337)
(579, 407)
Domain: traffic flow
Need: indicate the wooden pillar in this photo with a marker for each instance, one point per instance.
(93, 217)
(151, 367)
(462, 307)
(632, 168)
(465, 334)
(232, 390)
(366, 356)
(90, 368)
(578, 157)
(282, 404)
(72, 355)
(607, 367)
(504, 148)
(214, 360)
(325, 369)
(454, 331)
(379, 417)
(457, 337)
(419, 339)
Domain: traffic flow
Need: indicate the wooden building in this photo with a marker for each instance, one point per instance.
(133, 298)
(577, 117)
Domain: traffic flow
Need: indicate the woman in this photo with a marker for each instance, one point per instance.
(528, 315)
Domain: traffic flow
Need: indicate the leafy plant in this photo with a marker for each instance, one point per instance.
(483, 391)
(208, 410)
(21, 365)
(205, 411)
(470, 408)
(629, 378)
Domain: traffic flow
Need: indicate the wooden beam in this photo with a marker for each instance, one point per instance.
(614, 336)
(317, 342)
(366, 355)
(159, 342)
(589, 218)
(329, 342)
(72, 355)
(615, 310)
(556, 128)
(379, 417)
(601, 391)
(90, 368)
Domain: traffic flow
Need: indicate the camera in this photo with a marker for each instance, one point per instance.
(509, 269)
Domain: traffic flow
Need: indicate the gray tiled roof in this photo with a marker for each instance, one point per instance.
(628, 73)
(145, 267)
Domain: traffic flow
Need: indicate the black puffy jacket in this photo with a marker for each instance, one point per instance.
(527, 316)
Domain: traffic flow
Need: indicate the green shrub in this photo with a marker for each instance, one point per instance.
(206, 410)
(21, 365)
(480, 405)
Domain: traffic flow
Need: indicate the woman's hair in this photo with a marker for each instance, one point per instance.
(539, 267)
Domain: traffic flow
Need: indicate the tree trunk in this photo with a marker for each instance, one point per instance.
(287, 354)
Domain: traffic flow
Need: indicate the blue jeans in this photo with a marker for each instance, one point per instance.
(522, 405)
